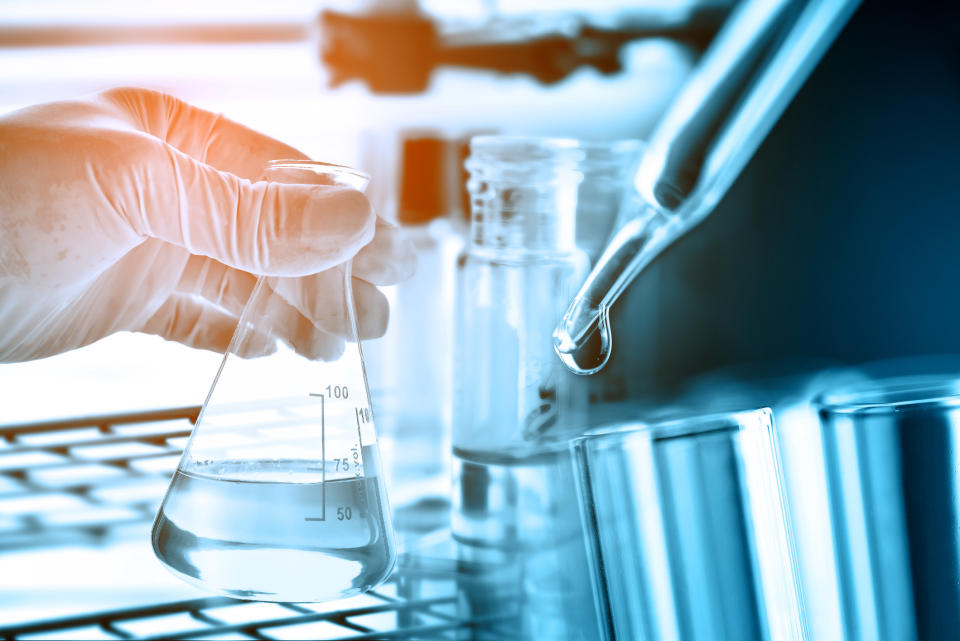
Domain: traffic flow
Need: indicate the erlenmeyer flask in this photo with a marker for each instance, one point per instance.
(279, 494)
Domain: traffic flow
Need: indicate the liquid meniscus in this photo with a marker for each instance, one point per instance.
(269, 531)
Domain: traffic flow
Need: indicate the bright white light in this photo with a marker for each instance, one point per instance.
(99, 12)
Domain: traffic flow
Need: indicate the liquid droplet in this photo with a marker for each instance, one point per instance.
(592, 352)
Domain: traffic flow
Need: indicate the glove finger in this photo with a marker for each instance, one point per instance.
(268, 311)
(388, 258)
(231, 289)
(373, 310)
(267, 228)
(192, 323)
(385, 260)
(206, 136)
(321, 298)
(220, 285)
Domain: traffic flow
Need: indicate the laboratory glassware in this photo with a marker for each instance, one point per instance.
(520, 261)
(411, 385)
(687, 530)
(279, 495)
(515, 405)
(510, 391)
(539, 207)
(603, 196)
(893, 475)
(752, 69)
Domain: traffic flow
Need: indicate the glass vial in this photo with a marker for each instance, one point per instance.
(513, 398)
(515, 404)
(518, 272)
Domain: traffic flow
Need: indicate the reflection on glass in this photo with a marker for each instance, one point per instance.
(892, 472)
(689, 538)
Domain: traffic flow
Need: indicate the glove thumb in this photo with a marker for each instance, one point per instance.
(264, 228)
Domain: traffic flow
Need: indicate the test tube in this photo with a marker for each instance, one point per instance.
(893, 467)
(688, 536)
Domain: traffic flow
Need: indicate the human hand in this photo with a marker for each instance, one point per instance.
(132, 210)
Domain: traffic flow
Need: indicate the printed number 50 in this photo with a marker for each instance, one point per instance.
(344, 514)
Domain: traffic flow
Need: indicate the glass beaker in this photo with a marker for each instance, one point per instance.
(687, 530)
(279, 494)
(893, 474)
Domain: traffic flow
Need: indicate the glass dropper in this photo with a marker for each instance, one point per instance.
(759, 59)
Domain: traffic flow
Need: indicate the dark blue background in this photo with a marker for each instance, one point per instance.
(839, 242)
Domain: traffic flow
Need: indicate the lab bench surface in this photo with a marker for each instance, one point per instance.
(77, 498)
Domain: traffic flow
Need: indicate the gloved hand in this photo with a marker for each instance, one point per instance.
(134, 211)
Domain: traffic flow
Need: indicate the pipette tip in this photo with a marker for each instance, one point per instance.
(589, 352)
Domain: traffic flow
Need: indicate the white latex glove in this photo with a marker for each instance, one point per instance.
(134, 211)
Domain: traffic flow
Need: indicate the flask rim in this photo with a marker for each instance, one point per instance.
(339, 174)
(890, 395)
(491, 142)
(677, 424)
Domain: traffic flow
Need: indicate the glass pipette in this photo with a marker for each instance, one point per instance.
(753, 68)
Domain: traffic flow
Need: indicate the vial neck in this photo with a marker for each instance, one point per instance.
(523, 194)
(525, 217)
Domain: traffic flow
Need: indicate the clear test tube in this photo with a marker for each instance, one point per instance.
(687, 531)
(893, 474)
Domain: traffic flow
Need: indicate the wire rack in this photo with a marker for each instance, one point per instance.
(93, 479)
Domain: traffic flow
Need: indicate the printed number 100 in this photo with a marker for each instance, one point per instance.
(337, 391)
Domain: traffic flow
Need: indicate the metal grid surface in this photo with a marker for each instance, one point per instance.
(80, 479)
(375, 615)
(91, 479)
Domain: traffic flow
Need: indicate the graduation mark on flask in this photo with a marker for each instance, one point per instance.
(323, 461)
(351, 464)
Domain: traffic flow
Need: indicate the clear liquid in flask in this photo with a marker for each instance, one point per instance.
(266, 530)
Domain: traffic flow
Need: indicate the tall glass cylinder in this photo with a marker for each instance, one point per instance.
(893, 475)
(687, 530)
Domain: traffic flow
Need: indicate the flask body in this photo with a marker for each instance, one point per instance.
(279, 493)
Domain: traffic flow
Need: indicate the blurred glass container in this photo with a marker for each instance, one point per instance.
(542, 208)
(512, 394)
(521, 261)
(606, 198)
(411, 366)
(687, 530)
(892, 472)
(515, 404)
